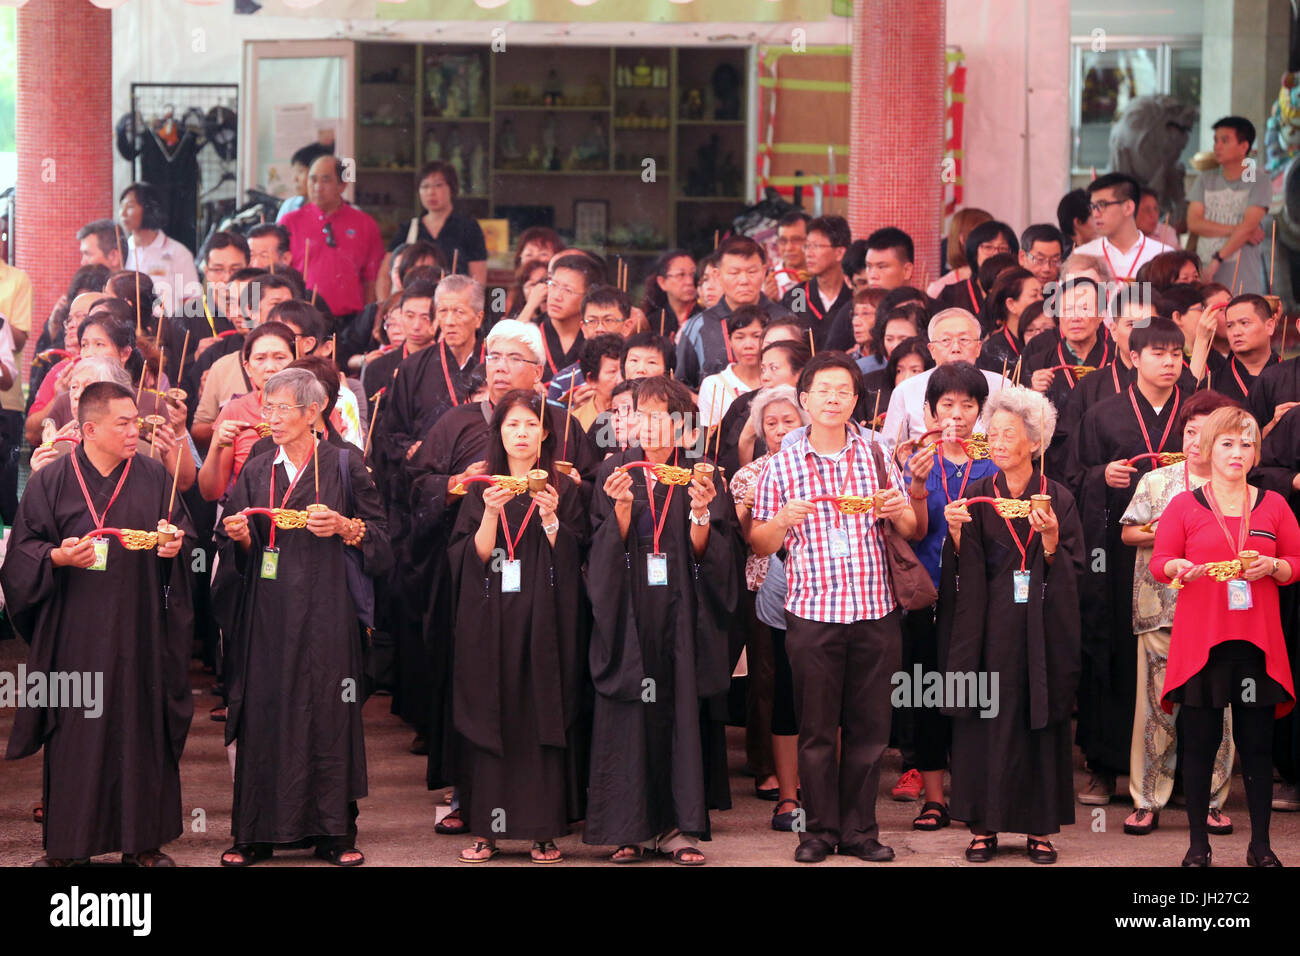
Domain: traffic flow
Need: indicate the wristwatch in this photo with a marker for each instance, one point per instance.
(1275, 566)
(1217, 257)
(700, 522)
(551, 528)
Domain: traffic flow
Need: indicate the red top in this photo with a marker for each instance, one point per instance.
(1189, 530)
(338, 272)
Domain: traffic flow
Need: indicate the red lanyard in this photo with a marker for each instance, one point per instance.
(99, 519)
(1132, 268)
(1010, 340)
(447, 375)
(943, 478)
(811, 294)
(1042, 487)
(848, 476)
(1114, 374)
(658, 525)
(1069, 376)
(1143, 425)
(505, 526)
(293, 484)
(547, 349)
(726, 340)
(1243, 530)
(975, 306)
(1240, 384)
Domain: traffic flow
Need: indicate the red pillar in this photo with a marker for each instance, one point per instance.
(64, 140)
(897, 123)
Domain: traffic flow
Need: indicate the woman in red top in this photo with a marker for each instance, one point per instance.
(1227, 647)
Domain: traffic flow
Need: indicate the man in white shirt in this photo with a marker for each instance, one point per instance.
(151, 251)
(954, 337)
(1114, 198)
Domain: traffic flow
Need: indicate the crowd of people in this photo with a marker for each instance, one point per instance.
(1055, 486)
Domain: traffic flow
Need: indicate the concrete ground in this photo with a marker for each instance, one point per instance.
(396, 823)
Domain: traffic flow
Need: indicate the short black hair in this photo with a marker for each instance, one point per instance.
(1124, 185)
(408, 256)
(1241, 127)
(744, 317)
(224, 240)
(97, 396)
(987, 232)
(891, 237)
(88, 279)
(649, 340)
(264, 229)
(1041, 232)
(909, 311)
(855, 257)
(1158, 332)
(1177, 298)
(796, 352)
(960, 377)
(792, 217)
(309, 154)
(446, 170)
(272, 328)
(903, 294)
(107, 233)
(248, 273)
(607, 295)
(742, 246)
(301, 315)
(150, 201)
(1257, 302)
(992, 268)
(668, 390)
(419, 289)
(917, 345)
(1073, 209)
(834, 228)
(580, 263)
(596, 350)
(276, 280)
(831, 359)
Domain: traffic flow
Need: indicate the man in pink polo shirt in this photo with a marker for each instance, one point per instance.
(335, 246)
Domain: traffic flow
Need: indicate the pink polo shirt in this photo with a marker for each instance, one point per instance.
(339, 272)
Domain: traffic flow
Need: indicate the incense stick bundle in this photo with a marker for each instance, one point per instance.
(374, 414)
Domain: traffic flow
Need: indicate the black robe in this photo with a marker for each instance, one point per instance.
(1108, 432)
(733, 423)
(828, 325)
(1276, 385)
(112, 781)
(194, 370)
(1230, 379)
(293, 644)
(520, 671)
(1000, 352)
(458, 440)
(556, 357)
(659, 662)
(1013, 771)
(1048, 349)
(378, 373)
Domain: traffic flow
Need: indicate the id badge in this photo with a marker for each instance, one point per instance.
(839, 543)
(656, 570)
(101, 554)
(510, 577)
(270, 564)
(1020, 587)
(1239, 597)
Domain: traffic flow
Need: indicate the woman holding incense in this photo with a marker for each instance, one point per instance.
(520, 640)
(289, 601)
(1229, 545)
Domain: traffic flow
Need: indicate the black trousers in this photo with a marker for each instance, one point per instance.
(1200, 730)
(842, 680)
(931, 735)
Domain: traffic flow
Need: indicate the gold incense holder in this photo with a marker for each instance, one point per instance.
(1247, 559)
(1041, 503)
(704, 471)
(166, 533)
(564, 467)
(177, 395)
(536, 481)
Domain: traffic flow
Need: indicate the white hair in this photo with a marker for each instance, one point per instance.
(453, 284)
(770, 396)
(524, 333)
(303, 385)
(106, 370)
(1032, 408)
(953, 314)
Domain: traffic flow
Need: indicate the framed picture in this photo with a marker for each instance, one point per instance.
(590, 221)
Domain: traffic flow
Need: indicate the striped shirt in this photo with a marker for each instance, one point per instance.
(822, 587)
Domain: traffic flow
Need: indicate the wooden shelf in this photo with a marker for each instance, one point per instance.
(603, 108)
(709, 122)
(457, 119)
(730, 199)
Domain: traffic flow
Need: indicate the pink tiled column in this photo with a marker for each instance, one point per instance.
(64, 139)
(896, 125)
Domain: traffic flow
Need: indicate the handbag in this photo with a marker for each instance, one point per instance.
(913, 587)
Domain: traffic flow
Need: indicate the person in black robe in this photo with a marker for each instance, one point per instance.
(289, 601)
(1011, 758)
(456, 445)
(520, 657)
(659, 654)
(1110, 433)
(1048, 350)
(1274, 391)
(111, 776)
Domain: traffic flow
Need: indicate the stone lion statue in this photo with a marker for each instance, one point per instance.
(1147, 140)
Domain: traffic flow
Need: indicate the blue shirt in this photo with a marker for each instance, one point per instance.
(929, 550)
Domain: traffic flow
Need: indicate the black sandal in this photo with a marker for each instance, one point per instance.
(987, 851)
(679, 856)
(334, 855)
(248, 853)
(638, 854)
(933, 816)
(543, 847)
(478, 847)
(1040, 851)
(451, 825)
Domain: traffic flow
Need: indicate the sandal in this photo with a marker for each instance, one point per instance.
(149, 858)
(451, 825)
(38, 813)
(784, 822)
(679, 856)
(481, 845)
(335, 854)
(986, 849)
(218, 714)
(543, 847)
(637, 855)
(248, 853)
(933, 816)
(1040, 851)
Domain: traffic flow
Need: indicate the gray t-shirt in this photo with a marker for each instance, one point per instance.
(1226, 202)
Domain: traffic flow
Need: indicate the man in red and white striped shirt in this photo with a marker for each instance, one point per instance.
(843, 631)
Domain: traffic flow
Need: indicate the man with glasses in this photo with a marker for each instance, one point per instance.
(224, 254)
(843, 633)
(1041, 249)
(605, 311)
(335, 245)
(742, 267)
(1114, 200)
(572, 274)
(1049, 360)
(955, 336)
(791, 264)
(820, 302)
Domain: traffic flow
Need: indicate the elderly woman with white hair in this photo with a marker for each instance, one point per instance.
(291, 594)
(774, 412)
(1009, 637)
(454, 448)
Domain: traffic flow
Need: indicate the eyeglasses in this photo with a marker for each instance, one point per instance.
(513, 360)
(679, 275)
(328, 229)
(823, 394)
(560, 287)
(790, 241)
(612, 322)
(817, 246)
(278, 411)
(1036, 259)
(962, 341)
(1100, 205)
(214, 272)
(994, 248)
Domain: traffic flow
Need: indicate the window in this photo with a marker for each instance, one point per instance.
(1102, 82)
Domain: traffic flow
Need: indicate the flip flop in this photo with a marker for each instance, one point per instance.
(481, 845)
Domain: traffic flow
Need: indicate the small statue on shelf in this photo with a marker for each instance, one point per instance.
(432, 148)
(475, 79)
(433, 82)
(553, 91)
(509, 142)
(730, 179)
(726, 92)
(457, 161)
(550, 149)
(534, 157)
(642, 75)
(477, 171)
(455, 104)
(595, 148)
(693, 105)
